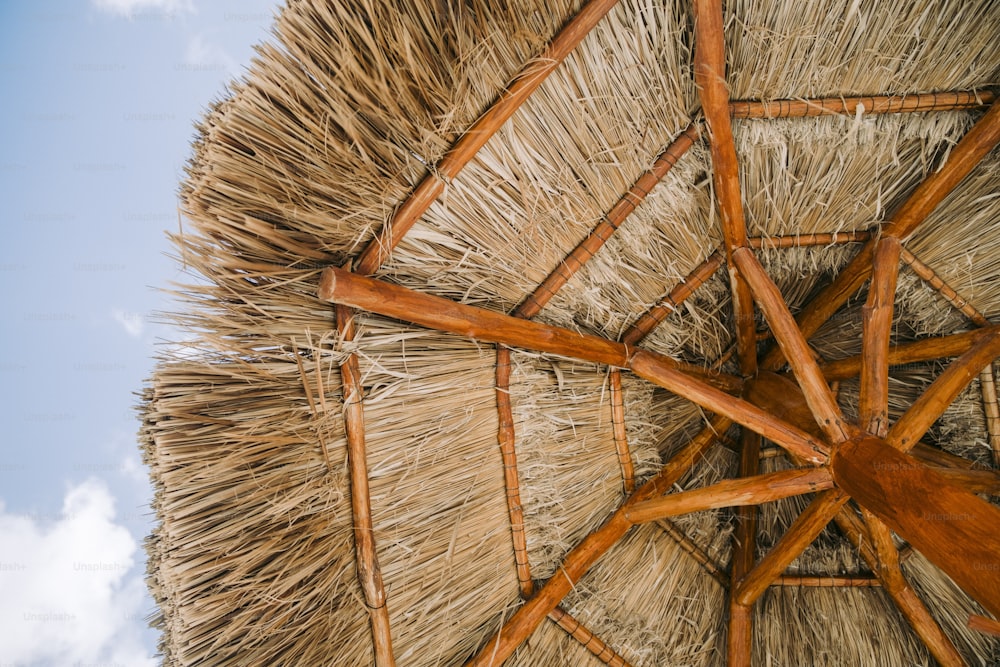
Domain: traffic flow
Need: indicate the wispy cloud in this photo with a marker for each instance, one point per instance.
(132, 323)
(131, 7)
(201, 54)
(68, 594)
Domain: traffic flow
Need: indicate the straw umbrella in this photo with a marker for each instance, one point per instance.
(636, 333)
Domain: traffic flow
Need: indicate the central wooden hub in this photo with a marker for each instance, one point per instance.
(781, 396)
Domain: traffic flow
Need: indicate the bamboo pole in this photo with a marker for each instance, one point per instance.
(983, 624)
(873, 404)
(849, 106)
(710, 77)
(357, 291)
(611, 222)
(597, 647)
(583, 556)
(800, 535)
(988, 386)
(733, 493)
(928, 275)
(620, 434)
(958, 531)
(524, 84)
(692, 549)
(807, 240)
(979, 141)
(790, 339)
(824, 581)
(508, 452)
(368, 571)
(931, 404)
(926, 349)
(668, 304)
(739, 646)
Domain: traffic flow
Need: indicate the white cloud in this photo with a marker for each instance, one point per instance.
(130, 7)
(68, 594)
(132, 323)
(201, 54)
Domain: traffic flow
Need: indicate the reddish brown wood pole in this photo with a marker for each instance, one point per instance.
(710, 76)
(927, 349)
(583, 556)
(849, 106)
(368, 571)
(597, 647)
(524, 84)
(739, 641)
(807, 240)
(350, 289)
(733, 493)
(826, 582)
(931, 404)
(988, 385)
(956, 530)
(800, 535)
(608, 226)
(983, 624)
(873, 404)
(973, 147)
(817, 393)
(620, 434)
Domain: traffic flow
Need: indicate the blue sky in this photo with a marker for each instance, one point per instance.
(98, 105)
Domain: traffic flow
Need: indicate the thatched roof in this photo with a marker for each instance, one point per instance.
(473, 496)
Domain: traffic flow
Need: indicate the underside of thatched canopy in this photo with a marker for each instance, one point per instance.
(580, 332)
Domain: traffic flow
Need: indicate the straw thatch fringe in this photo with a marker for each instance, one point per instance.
(791, 50)
(853, 106)
(927, 274)
(508, 451)
(588, 639)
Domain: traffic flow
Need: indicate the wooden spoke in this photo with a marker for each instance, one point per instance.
(582, 557)
(958, 531)
(710, 76)
(734, 492)
(800, 535)
(973, 147)
(817, 392)
(526, 83)
(350, 289)
(927, 349)
(873, 404)
(908, 430)
(739, 645)
(985, 625)
(849, 106)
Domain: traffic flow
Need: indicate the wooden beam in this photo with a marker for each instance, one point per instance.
(524, 84)
(807, 240)
(814, 387)
(958, 531)
(824, 581)
(368, 571)
(988, 387)
(733, 493)
(927, 349)
(937, 283)
(979, 141)
(597, 647)
(985, 625)
(868, 105)
(800, 535)
(739, 642)
(619, 431)
(906, 599)
(931, 404)
(609, 224)
(939, 458)
(710, 77)
(350, 289)
(582, 557)
(973, 481)
(873, 404)
(698, 554)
